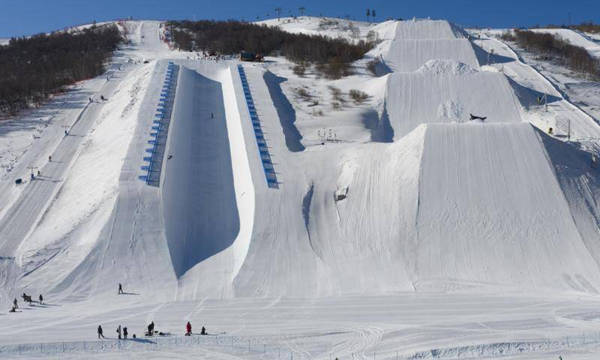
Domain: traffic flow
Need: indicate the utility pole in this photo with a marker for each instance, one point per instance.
(568, 130)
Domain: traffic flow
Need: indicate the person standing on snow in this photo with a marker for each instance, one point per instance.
(120, 289)
(119, 332)
(125, 333)
(151, 329)
(188, 329)
(41, 298)
(100, 335)
(15, 303)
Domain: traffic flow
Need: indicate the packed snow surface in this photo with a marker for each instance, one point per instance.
(402, 226)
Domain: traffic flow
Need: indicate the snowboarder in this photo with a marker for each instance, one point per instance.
(120, 289)
(475, 117)
(203, 331)
(15, 304)
(102, 98)
(41, 298)
(188, 329)
(100, 335)
(119, 332)
(125, 333)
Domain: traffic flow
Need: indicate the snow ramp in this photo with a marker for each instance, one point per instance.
(200, 209)
(205, 167)
(492, 211)
(417, 42)
(410, 55)
(445, 91)
(428, 29)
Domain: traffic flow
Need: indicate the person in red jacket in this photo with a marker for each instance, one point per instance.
(188, 329)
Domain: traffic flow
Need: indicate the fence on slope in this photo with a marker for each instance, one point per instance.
(263, 149)
(269, 348)
(160, 128)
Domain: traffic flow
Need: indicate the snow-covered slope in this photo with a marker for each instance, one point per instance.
(447, 91)
(379, 206)
(418, 41)
(331, 27)
(349, 216)
(576, 38)
(418, 29)
(490, 204)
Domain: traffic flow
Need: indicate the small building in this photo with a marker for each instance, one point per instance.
(248, 56)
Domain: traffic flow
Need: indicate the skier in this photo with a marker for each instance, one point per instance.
(32, 176)
(100, 335)
(188, 329)
(49, 158)
(203, 331)
(125, 333)
(39, 173)
(41, 298)
(475, 117)
(15, 304)
(120, 289)
(66, 133)
(102, 98)
(119, 332)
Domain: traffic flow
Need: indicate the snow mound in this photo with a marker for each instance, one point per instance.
(446, 66)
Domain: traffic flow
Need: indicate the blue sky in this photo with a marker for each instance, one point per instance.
(26, 17)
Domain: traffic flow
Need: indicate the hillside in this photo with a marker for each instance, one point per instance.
(433, 215)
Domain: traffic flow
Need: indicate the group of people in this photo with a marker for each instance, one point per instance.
(122, 332)
(26, 298)
(188, 329)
